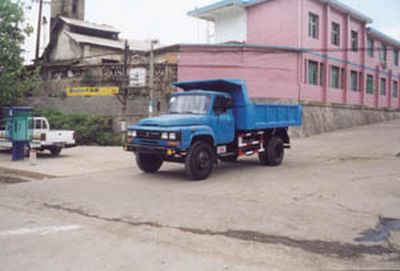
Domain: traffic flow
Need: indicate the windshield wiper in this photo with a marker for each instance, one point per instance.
(184, 112)
(188, 112)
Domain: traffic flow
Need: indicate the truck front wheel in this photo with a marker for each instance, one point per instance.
(149, 163)
(274, 152)
(199, 162)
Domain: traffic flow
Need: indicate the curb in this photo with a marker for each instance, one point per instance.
(25, 174)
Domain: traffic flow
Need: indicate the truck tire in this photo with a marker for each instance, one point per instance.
(149, 163)
(229, 159)
(274, 152)
(199, 162)
(55, 151)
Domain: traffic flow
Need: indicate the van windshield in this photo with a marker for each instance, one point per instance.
(189, 104)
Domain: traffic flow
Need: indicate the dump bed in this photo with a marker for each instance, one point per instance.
(249, 116)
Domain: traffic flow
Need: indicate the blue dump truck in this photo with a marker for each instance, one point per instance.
(212, 120)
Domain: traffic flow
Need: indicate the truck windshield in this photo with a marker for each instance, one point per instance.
(189, 104)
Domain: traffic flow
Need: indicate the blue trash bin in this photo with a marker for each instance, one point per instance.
(18, 150)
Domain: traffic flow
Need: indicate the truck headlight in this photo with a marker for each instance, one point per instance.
(132, 133)
(164, 136)
(172, 136)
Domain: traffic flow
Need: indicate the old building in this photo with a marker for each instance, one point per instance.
(82, 53)
(315, 50)
(91, 55)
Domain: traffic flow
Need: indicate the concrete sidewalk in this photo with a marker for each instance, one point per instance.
(75, 161)
(84, 160)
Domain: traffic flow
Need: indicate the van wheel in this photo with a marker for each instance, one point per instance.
(55, 151)
(199, 162)
(149, 163)
(274, 152)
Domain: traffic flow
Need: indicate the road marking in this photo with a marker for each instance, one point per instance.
(40, 231)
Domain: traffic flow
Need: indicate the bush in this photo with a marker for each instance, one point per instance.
(89, 129)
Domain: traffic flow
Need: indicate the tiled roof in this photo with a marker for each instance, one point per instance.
(347, 9)
(80, 23)
(202, 12)
(382, 36)
(136, 45)
(205, 12)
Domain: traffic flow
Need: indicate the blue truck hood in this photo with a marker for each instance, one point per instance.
(174, 120)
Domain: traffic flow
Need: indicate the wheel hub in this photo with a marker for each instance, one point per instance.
(203, 160)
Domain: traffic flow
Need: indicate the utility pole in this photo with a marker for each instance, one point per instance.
(151, 77)
(124, 99)
(39, 29)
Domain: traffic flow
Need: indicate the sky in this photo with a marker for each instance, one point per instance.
(168, 20)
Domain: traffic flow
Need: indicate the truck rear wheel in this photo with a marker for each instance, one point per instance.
(55, 151)
(149, 163)
(199, 162)
(274, 152)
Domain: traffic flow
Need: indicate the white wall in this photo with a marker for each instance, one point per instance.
(65, 49)
(231, 25)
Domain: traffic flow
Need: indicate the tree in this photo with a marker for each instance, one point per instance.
(15, 80)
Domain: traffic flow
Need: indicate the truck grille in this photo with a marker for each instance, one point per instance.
(149, 142)
(149, 134)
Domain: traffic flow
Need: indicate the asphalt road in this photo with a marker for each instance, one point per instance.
(304, 215)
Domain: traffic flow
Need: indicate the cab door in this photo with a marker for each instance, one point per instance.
(39, 127)
(223, 120)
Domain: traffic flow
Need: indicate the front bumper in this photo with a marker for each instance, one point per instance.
(167, 153)
(146, 149)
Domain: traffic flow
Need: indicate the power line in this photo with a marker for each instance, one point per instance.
(39, 28)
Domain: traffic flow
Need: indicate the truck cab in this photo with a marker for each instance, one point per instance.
(211, 109)
(208, 121)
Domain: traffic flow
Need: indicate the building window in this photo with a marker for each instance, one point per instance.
(335, 34)
(396, 57)
(370, 84)
(74, 6)
(313, 72)
(354, 80)
(383, 87)
(313, 26)
(354, 41)
(383, 53)
(335, 77)
(370, 47)
(395, 89)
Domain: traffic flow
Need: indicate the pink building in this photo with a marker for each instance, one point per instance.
(315, 50)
